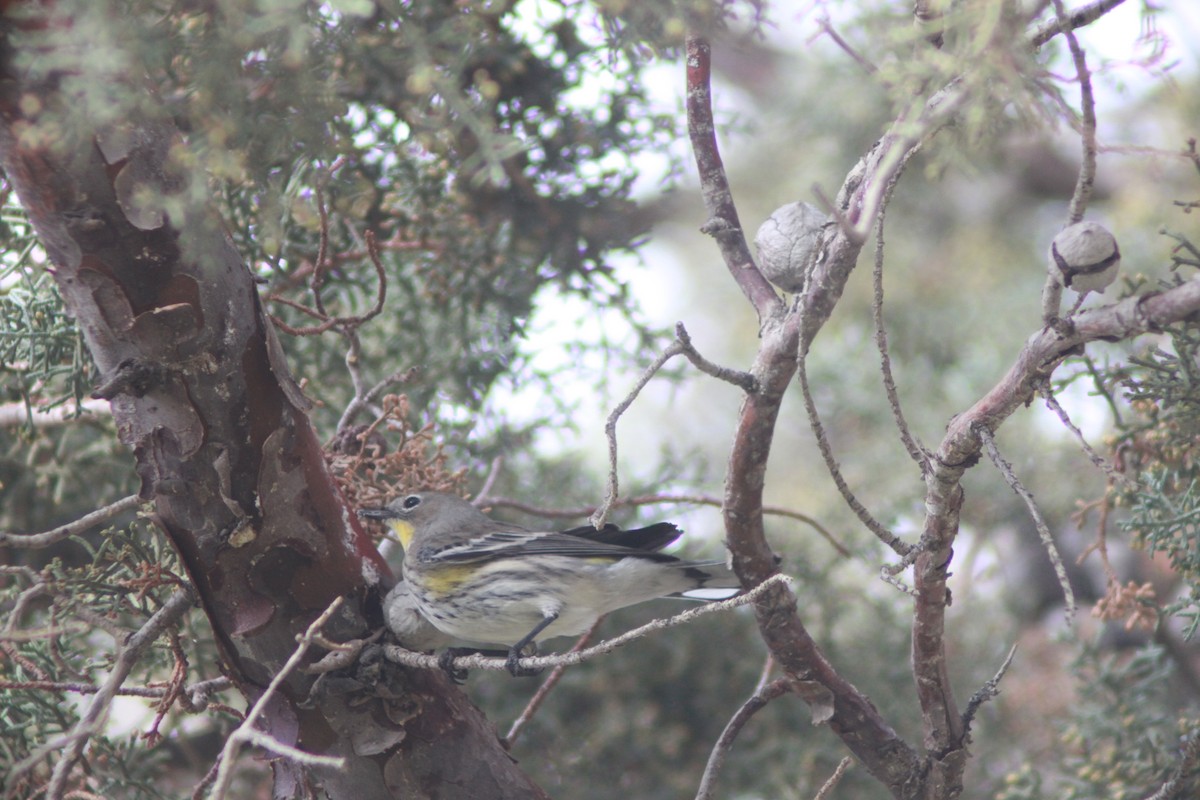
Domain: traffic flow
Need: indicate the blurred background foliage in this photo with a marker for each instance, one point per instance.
(523, 169)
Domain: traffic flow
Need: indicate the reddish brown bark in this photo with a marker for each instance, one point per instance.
(223, 444)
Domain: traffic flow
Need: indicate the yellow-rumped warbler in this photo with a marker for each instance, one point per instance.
(480, 580)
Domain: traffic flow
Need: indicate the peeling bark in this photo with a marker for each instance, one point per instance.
(222, 441)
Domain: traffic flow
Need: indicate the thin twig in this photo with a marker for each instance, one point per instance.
(97, 517)
(1087, 134)
(903, 139)
(92, 719)
(915, 449)
(364, 399)
(352, 321)
(1183, 770)
(681, 346)
(899, 546)
(1043, 530)
(544, 690)
(493, 473)
(765, 675)
(755, 703)
(985, 693)
(826, 27)
(610, 431)
(743, 380)
(245, 733)
(1097, 459)
(570, 659)
(834, 779)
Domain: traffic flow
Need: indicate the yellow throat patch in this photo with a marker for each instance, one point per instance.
(403, 530)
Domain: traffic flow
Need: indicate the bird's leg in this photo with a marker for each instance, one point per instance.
(446, 662)
(459, 675)
(514, 652)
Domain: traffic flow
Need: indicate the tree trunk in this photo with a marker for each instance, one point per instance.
(223, 444)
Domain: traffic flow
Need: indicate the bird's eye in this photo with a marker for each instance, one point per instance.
(412, 501)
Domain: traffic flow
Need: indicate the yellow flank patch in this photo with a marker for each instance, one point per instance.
(445, 580)
(403, 530)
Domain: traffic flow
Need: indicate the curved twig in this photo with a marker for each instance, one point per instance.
(1060, 569)
(1087, 104)
(915, 449)
(898, 545)
(755, 703)
(97, 517)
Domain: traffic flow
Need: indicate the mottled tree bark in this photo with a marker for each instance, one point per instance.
(223, 444)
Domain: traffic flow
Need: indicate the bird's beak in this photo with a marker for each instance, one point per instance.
(376, 513)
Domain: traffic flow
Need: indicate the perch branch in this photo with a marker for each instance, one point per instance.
(573, 657)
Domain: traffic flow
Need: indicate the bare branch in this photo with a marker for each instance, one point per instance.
(574, 658)
(911, 128)
(1097, 459)
(723, 223)
(90, 520)
(915, 449)
(681, 346)
(743, 380)
(826, 27)
(610, 431)
(1042, 354)
(544, 690)
(1081, 17)
(1043, 529)
(755, 703)
(327, 322)
(363, 397)
(245, 732)
(834, 779)
(493, 473)
(814, 420)
(986, 692)
(1087, 134)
